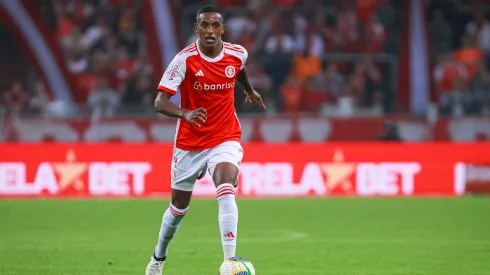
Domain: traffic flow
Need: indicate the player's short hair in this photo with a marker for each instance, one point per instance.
(209, 8)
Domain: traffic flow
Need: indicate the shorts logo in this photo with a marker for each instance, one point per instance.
(230, 71)
(197, 86)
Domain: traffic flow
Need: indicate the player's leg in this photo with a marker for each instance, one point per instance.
(223, 165)
(225, 175)
(186, 166)
(172, 218)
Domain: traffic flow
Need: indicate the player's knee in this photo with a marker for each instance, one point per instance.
(181, 199)
(225, 172)
(180, 204)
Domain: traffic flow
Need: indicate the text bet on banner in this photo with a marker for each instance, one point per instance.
(333, 169)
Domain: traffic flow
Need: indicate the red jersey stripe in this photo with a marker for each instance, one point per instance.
(192, 49)
(166, 90)
(235, 49)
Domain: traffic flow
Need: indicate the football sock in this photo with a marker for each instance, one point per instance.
(172, 218)
(228, 218)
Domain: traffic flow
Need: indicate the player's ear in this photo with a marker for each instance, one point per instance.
(223, 29)
(195, 26)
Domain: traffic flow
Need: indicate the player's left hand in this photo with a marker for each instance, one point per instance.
(255, 98)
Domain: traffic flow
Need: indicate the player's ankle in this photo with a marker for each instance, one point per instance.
(159, 259)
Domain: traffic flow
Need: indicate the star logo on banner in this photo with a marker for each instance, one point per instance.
(70, 171)
(338, 173)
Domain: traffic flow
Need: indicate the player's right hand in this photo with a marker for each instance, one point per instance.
(195, 116)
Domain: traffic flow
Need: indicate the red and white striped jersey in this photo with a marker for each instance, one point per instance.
(208, 83)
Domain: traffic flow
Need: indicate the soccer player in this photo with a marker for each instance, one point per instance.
(208, 131)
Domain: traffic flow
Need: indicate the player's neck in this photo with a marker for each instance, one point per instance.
(211, 52)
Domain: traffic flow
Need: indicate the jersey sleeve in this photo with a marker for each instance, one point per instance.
(237, 51)
(173, 75)
(243, 57)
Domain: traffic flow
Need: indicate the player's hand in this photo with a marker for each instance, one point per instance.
(254, 98)
(196, 116)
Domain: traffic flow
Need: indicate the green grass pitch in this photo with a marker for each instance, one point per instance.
(345, 236)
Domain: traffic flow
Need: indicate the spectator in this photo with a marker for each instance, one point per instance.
(125, 65)
(310, 43)
(346, 102)
(313, 97)
(39, 99)
(103, 99)
(306, 63)
(357, 83)
(238, 24)
(458, 101)
(348, 25)
(130, 38)
(366, 9)
(261, 81)
(139, 90)
(441, 33)
(64, 21)
(16, 99)
(469, 54)
(279, 41)
(374, 35)
(446, 70)
(375, 91)
(480, 88)
(331, 81)
(141, 64)
(74, 41)
(479, 30)
(95, 32)
(291, 92)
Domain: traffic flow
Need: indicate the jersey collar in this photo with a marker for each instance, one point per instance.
(216, 59)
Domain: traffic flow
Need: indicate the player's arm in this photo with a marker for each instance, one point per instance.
(252, 95)
(163, 105)
(171, 80)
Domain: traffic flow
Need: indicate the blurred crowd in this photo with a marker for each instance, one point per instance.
(460, 40)
(314, 56)
(287, 42)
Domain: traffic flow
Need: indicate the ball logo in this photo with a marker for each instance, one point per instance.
(197, 86)
(230, 71)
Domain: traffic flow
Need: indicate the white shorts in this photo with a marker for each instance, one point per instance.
(188, 166)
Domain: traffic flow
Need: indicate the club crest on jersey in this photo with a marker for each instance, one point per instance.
(197, 85)
(230, 71)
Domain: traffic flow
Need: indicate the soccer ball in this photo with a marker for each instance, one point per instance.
(236, 266)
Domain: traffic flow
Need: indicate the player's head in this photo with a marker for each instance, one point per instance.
(210, 26)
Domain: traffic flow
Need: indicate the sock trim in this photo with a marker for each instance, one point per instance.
(162, 259)
(177, 212)
(225, 189)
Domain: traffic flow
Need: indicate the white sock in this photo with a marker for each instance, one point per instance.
(172, 218)
(228, 218)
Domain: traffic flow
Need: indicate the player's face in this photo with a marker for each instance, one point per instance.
(210, 28)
